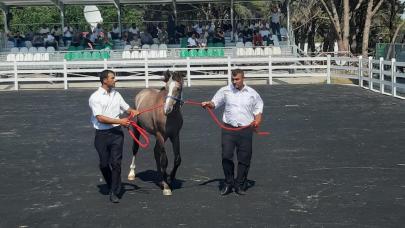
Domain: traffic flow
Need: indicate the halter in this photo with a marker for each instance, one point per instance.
(178, 99)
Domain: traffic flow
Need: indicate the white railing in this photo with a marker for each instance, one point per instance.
(381, 76)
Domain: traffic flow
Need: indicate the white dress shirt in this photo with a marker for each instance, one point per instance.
(241, 106)
(107, 104)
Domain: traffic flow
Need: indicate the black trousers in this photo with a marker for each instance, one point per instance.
(109, 144)
(241, 142)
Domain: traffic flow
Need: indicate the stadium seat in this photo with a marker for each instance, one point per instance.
(183, 42)
(50, 49)
(28, 57)
(135, 54)
(184, 53)
(68, 56)
(32, 50)
(96, 55)
(258, 51)
(276, 51)
(77, 55)
(202, 53)
(193, 53)
(37, 57)
(105, 55)
(126, 54)
(15, 50)
(10, 57)
(145, 46)
(45, 57)
(23, 50)
(127, 47)
(268, 51)
(41, 49)
(240, 50)
(87, 55)
(19, 57)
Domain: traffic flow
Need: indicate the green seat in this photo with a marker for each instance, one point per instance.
(210, 52)
(184, 53)
(210, 45)
(96, 55)
(183, 42)
(220, 52)
(71, 48)
(202, 53)
(87, 55)
(77, 55)
(105, 55)
(68, 56)
(193, 53)
(219, 44)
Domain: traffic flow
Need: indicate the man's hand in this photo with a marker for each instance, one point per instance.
(258, 120)
(134, 112)
(125, 122)
(208, 104)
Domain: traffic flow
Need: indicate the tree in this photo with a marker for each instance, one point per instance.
(372, 8)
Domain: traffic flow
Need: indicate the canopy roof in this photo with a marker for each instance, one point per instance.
(12, 3)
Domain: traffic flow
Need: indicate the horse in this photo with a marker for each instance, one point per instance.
(163, 123)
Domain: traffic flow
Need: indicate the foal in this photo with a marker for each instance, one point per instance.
(163, 123)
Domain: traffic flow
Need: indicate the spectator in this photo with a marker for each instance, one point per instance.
(49, 40)
(44, 30)
(133, 30)
(57, 33)
(98, 29)
(19, 40)
(257, 39)
(219, 36)
(192, 42)
(116, 32)
(125, 38)
(199, 29)
(275, 21)
(146, 38)
(162, 36)
(67, 34)
(37, 41)
(136, 42)
(265, 33)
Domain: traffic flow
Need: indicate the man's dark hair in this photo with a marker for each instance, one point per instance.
(238, 71)
(104, 75)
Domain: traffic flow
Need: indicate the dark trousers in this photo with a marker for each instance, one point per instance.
(241, 142)
(109, 145)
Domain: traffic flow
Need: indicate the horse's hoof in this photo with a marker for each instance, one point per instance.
(131, 177)
(167, 192)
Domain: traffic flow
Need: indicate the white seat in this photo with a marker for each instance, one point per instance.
(127, 47)
(275, 40)
(268, 51)
(41, 49)
(276, 51)
(145, 53)
(29, 57)
(126, 54)
(258, 51)
(135, 54)
(154, 47)
(153, 53)
(249, 51)
(23, 50)
(50, 49)
(10, 44)
(145, 46)
(32, 50)
(19, 57)
(248, 44)
(15, 50)
(45, 57)
(163, 47)
(28, 44)
(239, 44)
(10, 57)
(163, 53)
(37, 57)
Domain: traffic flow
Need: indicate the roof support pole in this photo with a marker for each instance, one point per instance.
(175, 12)
(61, 8)
(118, 6)
(5, 10)
(232, 23)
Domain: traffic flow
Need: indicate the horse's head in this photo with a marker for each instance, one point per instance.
(174, 87)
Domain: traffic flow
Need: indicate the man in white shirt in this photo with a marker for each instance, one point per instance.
(192, 42)
(243, 108)
(106, 105)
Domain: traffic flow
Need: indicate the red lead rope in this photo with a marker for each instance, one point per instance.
(145, 135)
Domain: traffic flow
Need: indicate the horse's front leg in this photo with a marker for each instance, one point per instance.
(135, 148)
(177, 157)
(161, 163)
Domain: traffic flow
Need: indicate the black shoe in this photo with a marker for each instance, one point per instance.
(114, 198)
(240, 190)
(226, 190)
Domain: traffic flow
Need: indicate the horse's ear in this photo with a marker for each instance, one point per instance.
(167, 76)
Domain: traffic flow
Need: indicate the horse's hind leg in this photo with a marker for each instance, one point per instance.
(135, 147)
(161, 163)
(177, 158)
